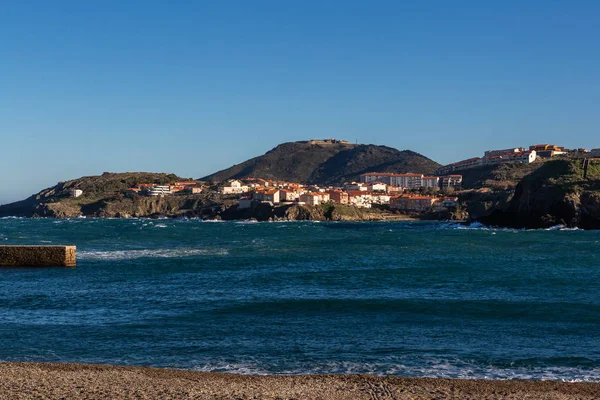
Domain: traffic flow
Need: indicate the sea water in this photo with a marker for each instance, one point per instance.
(389, 298)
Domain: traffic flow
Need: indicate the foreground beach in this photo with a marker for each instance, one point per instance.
(80, 381)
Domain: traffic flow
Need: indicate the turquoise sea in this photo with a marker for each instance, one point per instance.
(397, 298)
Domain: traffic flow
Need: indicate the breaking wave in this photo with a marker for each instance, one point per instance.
(433, 368)
(149, 253)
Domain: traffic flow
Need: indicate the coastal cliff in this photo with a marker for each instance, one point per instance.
(560, 192)
(103, 196)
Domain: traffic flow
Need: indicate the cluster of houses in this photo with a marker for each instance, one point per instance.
(151, 189)
(513, 155)
(388, 189)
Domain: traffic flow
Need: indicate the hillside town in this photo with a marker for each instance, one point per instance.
(405, 192)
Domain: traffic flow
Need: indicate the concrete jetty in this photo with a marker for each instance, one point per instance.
(37, 256)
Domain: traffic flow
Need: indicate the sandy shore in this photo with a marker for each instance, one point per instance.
(74, 381)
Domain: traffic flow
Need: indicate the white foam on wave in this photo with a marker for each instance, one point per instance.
(458, 225)
(149, 253)
(438, 369)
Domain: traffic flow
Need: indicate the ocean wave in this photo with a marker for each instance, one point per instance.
(149, 253)
(433, 368)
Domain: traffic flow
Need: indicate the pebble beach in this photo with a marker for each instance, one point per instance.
(81, 381)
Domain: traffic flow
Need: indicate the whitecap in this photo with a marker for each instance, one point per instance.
(149, 253)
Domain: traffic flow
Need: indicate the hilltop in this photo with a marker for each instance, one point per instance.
(326, 163)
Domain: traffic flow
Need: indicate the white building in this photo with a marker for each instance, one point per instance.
(377, 187)
(234, 187)
(159, 190)
(410, 181)
(76, 192)
(432, 182)
(313, 199)
(520, 157)
(268, 196)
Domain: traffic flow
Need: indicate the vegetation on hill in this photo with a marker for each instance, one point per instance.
(557, 193)
(326, 164)
(503, 176)
(98, 193)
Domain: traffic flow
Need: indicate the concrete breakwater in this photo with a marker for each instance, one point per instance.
(30, 256)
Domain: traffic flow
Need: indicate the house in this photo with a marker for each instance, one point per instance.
(234, 187)
(412, 203)
(288, 195)
(338, 196)
(380, 198)
(270, 195)
(75, 192)
(377, 187)
(257, 182)
(359, 198)
(193, 189)
(313, 199)
(595, 152)
(546, 147)
(547, 150)
(394, 189)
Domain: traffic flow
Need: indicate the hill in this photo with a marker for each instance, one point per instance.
(559, 192)
(326, 164)
(98, 191)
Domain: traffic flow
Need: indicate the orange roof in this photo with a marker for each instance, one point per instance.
(356, 192)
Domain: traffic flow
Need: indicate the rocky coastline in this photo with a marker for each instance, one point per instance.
(557, 193)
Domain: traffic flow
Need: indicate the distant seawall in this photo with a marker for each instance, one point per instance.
(37, 256)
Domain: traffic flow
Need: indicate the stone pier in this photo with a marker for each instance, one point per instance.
(37, 256)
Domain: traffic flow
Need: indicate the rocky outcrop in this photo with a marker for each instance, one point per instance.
(557, 193)
(323, 212)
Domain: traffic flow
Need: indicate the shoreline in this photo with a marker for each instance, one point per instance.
(20, 380)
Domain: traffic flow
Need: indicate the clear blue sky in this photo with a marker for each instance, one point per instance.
(192, 87)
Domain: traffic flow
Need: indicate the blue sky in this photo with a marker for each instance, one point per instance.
(194, 87)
